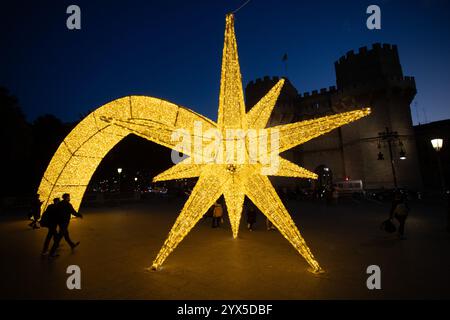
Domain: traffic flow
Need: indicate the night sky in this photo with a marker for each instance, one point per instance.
(172, 49)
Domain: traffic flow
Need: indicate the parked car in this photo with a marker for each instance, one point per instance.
(388, 194)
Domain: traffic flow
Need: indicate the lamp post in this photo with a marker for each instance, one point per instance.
(391, 137)
(437, 144)
(119, 171)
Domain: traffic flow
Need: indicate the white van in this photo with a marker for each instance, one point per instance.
(350, 188)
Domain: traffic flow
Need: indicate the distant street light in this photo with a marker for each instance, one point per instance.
(402, 154)
(119, 171)
(437, 144)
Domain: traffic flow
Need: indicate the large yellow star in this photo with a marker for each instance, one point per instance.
(81, 152)
(235, 180)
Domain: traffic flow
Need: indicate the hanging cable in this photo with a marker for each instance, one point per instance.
(243, 5)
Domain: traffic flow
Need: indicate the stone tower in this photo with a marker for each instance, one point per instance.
(372, 77)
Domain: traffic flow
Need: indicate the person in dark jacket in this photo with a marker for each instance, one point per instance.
(399, 210)
(50, 215)
(64, 211)
(35, 211)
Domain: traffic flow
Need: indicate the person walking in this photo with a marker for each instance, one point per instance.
(35, 211)
(64, 211)
(217, 214)
(50, 220)
(399, 210)
(251, 217)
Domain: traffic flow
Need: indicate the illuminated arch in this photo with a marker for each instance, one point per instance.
(79, 155)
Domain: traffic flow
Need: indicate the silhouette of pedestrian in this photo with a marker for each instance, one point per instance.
(217, 214)
(251, 217)
(50, 220)
(35, 211)
(64, 212)
(399, 210)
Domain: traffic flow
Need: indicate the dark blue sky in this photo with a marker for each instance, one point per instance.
(172, 49)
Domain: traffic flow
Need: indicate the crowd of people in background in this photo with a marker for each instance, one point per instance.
(399, 211)
(216, 213)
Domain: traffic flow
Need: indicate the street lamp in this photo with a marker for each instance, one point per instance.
(437, 146)
(119, 171)
(391, 137)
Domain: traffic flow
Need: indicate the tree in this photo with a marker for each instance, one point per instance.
(15, 142)
(48, 132)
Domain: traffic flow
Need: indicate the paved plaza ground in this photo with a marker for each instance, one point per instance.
(118, 243)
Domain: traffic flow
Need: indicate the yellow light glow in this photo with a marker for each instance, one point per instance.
(78, 156)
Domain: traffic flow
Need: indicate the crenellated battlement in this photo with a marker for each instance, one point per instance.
(256, 89)
(377, 49)
(393, 81)
(263, 80)
(381, 61)
(322, 91)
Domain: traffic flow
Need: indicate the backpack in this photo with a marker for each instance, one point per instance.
(45, 216)
(44, 219)
(218, 212)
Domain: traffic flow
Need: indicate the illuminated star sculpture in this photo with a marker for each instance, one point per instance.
(76, 159)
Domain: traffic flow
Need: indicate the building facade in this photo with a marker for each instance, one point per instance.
(372, 77)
